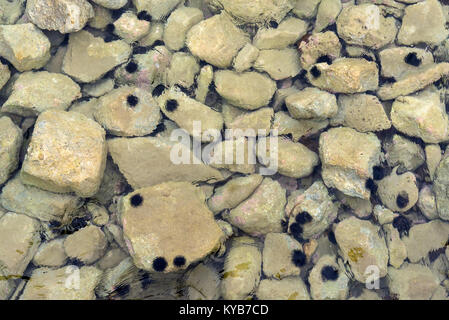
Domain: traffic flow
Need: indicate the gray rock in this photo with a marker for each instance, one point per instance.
(50, 254)
(111, 4)
(289, 31)
(98, 88)
(24, 45)
(183, 70)
(10, 11)
(36, 92)
(328, 11)
(312, 103)
(427, 203)
(178, 23)
(11, 142)
(279, 64)
(64, 16)
(433, 158)
(318, 45)
(393, 62)
(156, 8)
(277, 256)
(321, 289)
(284, 124)
(403, 152)
(87, 244)
(130, 28)
(441, 188)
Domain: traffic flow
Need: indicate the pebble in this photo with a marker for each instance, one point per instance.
(111, 4)
(59, 284)
(246, 57)
(262, 212)
(111, 259)
(183, 70)
(279, 64)
(348, 158)
(65, 16)
(248, 90)
(277, 256)
(398, 62)
(100, 215)
(157, 9)
(362, 208)
(216, 40)
(86, 245)
(36, 92)
(362, 247)
(412, 282)
(128, 111)
(427, 203)
(88, 57)
(433, 158)
(422, 115)
(306, 9)
(364, 25)
(233, 192)
(362, 112)
(424, 238)
(285, 125)
(24, 45)
(50, 254)
(85, 107)
(328, 11)
(203, 81)
(10, 11)
(146, 161)
(335, 288)
(238, 119)
(345, 75)
(287, 33)
(203, 283)
(291, 288)
(398, 192)
(396, 247)
(10, 141)
(384, 215)
(312, 103)
(441, 187)
(319, 45)
(294, 159)
(242, 269)
(168, 241)
(401, 151)
(37, 203)
(67, 153)
(5, 74)
(423, 22)
(178, 24)
(102, 17)
(131, 29)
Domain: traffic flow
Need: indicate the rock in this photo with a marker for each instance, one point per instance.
(245, 58)
(36, 92)
(396, 247)
(100, 215)
(306, 9)
(86, 245)
(362, 208)
(111, 259)
(157, 9)
(65, 16)
(203, 283)
(262, 212)
(312, 103)
(86, 108)
(398, 192)
(367, 294)
(50, 254)
(319, 45)
(328, 289)
(102, 17)
(289, 31)
(128, 111)
(111, 4)
(433, 158)
(199, 120)
(130, 28)
(362, 247)
(346, 75)
(242, 269)
(426, 237)
(181, 232)
(348, 158)
(384, 215)
(328, 11)
(248, 90)
(19, 241)
(146, 161)
(10, 11)
(293, 159)
(422, 115)
(37, 203)
(285, 125)
(66, 283)
(412, 282)
(203, 81)
(318, 204)
(413, 82)
(279, 64)
(427, 203)
(423, 22)
(67, 153)
(291, 288)
(250, 124)
(98, 88)
(259, 12)
(88, 57)
(393, 61)
(403, 152)
(4, 74)
(11, 142)
(441, 187)
(233, 192)
(363, 112)
(364, 25)
(277, 256)
(234, 155)
(156, 33)
(183, 70)
(216, 40)
(24, 45)
(178, 23)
